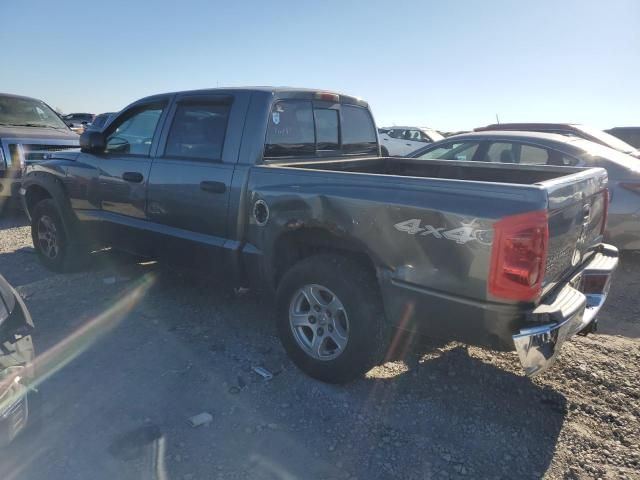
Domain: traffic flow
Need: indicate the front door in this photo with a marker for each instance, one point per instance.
(118, 189)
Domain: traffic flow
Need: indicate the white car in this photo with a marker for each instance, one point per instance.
(401, 141)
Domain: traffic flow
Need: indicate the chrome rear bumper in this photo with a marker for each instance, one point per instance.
(571, 311)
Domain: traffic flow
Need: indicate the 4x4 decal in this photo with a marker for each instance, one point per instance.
(460, 235)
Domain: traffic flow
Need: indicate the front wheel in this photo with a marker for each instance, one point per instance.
(51, 239)
(330, 318)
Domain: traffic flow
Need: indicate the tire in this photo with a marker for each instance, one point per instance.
(361, 319)
(57, 252)
(384, 151)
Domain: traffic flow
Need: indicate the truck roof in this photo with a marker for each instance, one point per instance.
(264, 89)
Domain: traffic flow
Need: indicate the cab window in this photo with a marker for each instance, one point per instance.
(198, 131)
(290, 130)
(132, 134)
(358, 131)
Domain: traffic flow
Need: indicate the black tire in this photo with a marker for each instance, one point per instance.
(70, 255)
(358, 291)
(384, 151)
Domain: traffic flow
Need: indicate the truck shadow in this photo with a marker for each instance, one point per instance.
(469, 414)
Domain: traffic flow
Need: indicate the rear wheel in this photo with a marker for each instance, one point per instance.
(384, 151)
(51, 240)
(330, 318)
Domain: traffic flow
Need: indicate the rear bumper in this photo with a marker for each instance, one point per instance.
(570, 311)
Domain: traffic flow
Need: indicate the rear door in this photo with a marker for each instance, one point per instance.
(190, 180)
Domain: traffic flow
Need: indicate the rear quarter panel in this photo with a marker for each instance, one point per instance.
(431, 233)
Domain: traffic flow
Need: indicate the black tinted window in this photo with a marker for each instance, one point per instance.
(198, 131)
(326, 128)
(358, 131)
(290, 130)
(133, 132)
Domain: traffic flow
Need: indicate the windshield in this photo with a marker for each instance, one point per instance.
(607, 138)
(28, 112)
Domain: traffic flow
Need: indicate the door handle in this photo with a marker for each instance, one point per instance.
(213, 187)
(133, 177)
(408, 144)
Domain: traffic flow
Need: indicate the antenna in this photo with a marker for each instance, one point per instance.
(497, 119)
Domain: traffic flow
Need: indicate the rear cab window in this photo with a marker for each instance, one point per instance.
(306, 128)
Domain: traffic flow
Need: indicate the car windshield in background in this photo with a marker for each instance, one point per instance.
(607, 138)
(28, 112)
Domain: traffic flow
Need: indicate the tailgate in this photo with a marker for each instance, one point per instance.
(577, 206)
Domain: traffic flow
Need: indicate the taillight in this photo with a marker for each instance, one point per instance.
(519, 255)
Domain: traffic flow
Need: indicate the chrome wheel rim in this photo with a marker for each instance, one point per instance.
(48, 237)
(319, 322)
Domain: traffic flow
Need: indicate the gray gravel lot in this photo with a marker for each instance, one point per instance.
(135, 350)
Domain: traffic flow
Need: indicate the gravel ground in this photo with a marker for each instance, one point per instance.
(135, 350)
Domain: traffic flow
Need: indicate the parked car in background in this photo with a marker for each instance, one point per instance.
(29, 132)
(284, 190)
(400, 141)
(535, 148)
(16, 363)
(100, 121)
(78, 121)
(630, 135)
(582, 131)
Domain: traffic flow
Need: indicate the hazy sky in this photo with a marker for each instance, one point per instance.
(447, 64)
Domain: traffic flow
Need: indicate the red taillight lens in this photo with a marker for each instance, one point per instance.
(519, 256)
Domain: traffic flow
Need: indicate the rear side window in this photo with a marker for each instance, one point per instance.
(501, 153)
(358, 131)
(290, 131)
(198, 131)
(533, 155)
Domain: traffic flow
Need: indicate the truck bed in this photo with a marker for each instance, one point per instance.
(474, 171)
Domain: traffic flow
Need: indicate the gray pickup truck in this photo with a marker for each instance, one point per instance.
(29, 132)
(285, 190)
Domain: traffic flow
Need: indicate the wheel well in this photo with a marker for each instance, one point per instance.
(35, 194)
(294, 246)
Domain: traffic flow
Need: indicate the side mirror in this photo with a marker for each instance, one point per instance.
(92, 141)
